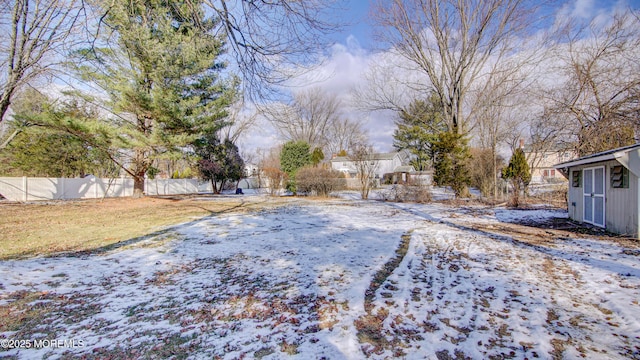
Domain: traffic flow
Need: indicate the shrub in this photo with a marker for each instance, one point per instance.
(276, 178)
(517, 172)
(184, 174)
(482, 170)
(294, 155)
(451, 162)
(319, 181)
(413, 192)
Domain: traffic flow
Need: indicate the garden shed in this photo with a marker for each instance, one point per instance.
(604, 189)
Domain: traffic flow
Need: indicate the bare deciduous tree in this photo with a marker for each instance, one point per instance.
(387, 85)
(308, 118)
(239, 121)
(315, 117)
(602, 83)
(270, 39)
(547, 133)
(500, 106)
(343, 133)
(34, 32)
(361, 155)
(269, 166)
(451, 42)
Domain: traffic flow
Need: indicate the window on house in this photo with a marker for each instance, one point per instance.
(553, 172)
(619, 177)
(576, 178)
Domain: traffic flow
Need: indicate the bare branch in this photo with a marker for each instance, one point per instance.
(366, 166)
(37, 32)
(240, 120)
(602, 72)
(452, 42)
(271, 39)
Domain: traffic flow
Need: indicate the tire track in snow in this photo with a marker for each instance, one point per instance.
(468, 292)
(369, 326)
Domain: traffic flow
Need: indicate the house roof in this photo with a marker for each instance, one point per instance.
(404, 168)
(628, 156)
(556, 148)
(379, 156)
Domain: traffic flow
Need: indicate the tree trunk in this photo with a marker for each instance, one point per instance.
(214, 186)
(5, 102)
(138, 186)
(495, 173)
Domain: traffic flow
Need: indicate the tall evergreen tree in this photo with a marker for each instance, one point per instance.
(417, 130)
(518, 173)
(160, 67)
(47, 151)
(317, 156)
(451, 155)
(294, 155)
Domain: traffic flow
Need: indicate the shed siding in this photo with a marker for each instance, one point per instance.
(622, 205)
(575, 200)
(621, 209)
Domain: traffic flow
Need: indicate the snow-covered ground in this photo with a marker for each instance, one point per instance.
(314, 280)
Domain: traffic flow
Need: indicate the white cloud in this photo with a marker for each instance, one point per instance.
(583, 9)
(342, 70)
(347, 65)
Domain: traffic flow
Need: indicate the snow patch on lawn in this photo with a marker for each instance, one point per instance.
(290, 281)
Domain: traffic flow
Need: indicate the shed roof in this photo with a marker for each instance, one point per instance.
(628, 156)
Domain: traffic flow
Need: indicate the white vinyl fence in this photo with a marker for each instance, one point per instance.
(32, 189)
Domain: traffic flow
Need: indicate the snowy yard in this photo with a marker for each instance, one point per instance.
(341, 279)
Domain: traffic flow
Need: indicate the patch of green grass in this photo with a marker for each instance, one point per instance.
(79, 226)
(266, 351)
(35, 312)
(26, 309)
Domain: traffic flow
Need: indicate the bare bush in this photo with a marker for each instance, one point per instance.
(366, 167)
(412, 192)
(275, 178)
(483, 170)
(319, 181)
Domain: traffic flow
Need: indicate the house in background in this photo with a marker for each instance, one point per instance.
(542, 162)
(385, 163)
(604, 189)
(251, 169)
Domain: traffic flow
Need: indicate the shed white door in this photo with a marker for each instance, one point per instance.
(594, 196)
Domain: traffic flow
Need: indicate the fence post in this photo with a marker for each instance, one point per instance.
(24, 188)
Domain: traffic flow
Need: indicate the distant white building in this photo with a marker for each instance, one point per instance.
(251, 170)
(385, 163)
(542, 161)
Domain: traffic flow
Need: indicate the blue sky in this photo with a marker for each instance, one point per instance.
(354, 51)
(356, 14)
(357, 11)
